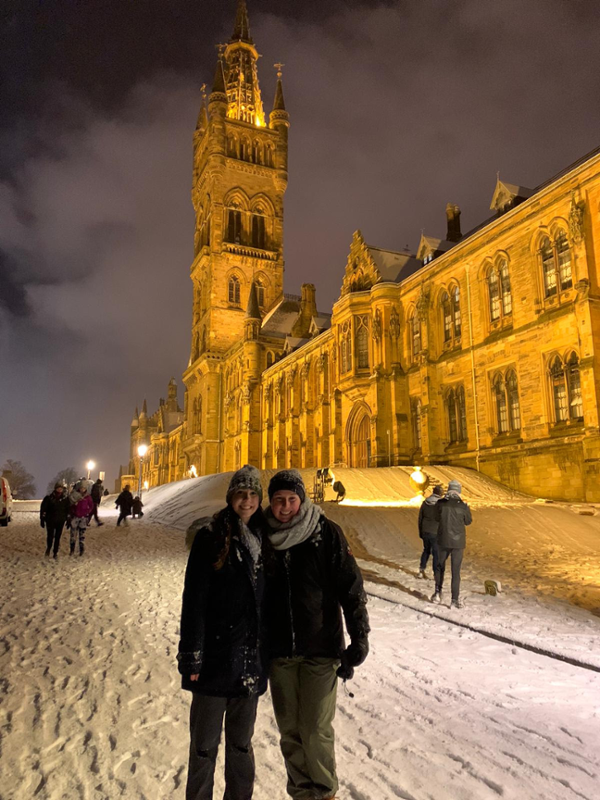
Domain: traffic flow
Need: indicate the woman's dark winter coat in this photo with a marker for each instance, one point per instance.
(222, 635)
(55, 509)
(125, 501)
(453, 514)
(312, 583)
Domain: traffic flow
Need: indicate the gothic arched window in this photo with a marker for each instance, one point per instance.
(563, 257)
(456, 315)
(362, 342)
(494, 294)
(559, 391)
(260, 292)
(269, 359)
(198, 415)
(417, 422)
(345, 347)
(505, 287)
(234, 226)
(512, 394)
(415, 334)
(452, 417)
(461, 408)
(234, 290)
(501, 405)
(258, 231)
(574, 382)
(447, 317)
(257, 152)
(232, 150)
(548, 267)
(269, 155)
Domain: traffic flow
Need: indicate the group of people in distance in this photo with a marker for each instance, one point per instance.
(264, 600)
(75, 509)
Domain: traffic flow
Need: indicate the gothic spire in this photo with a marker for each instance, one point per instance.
(253, 309)
(279, 102)
(219, 81)
(241, 32)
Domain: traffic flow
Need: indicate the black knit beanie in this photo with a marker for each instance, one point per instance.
(289, 480)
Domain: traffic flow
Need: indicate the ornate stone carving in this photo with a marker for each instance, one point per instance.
(246, 393)
(377, 325)
(305, 369)
(576, 214)
(423, 301)
(322, 362)
(394, 325)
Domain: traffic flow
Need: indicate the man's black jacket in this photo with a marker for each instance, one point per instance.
(55, 509)
(309, 586)
(453, 514)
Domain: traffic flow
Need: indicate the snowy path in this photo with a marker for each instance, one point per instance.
(90, 705)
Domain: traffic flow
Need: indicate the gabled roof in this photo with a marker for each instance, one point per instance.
(505, 195)
(430, 245)
(280, 319)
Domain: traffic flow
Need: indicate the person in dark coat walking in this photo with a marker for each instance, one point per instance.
(315, 579)
(53, 515)
(96, 493)
(124, 503)
(222, 652)
(453, 515)
(136, 508)
(428, 530)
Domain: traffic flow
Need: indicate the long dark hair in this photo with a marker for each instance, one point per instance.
(227, 522)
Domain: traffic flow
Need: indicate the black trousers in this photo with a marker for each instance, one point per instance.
(430, 548)
(206, 722)
(95, 512)
(53, 534)
(456, 556)
(123, 517)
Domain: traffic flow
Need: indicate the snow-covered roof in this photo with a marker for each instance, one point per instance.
(506, 193)
(279, 321)
(393, 266)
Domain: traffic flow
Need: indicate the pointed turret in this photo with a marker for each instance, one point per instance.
(279, 102)
(253, 309)
(241, 31)
(144, 413)
(253, 318)
(136, 418)
(279, 117)
(219, 79)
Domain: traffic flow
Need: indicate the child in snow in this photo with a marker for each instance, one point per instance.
(82, 508)
(221, 652)
(315, 578)
(136, 508)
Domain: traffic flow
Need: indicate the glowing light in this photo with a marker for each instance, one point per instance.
(146, 484)
(193, 472)
(419, 481)
(90, 465)
(142, 450)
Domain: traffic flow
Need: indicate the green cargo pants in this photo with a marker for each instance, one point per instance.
(304, 697)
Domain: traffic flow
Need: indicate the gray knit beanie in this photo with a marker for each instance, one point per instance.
(288, 480)
(247, 477)
(454, 486)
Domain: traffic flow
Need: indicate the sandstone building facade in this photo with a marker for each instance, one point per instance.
(478, 350)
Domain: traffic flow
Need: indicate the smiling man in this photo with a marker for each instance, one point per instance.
(315, 578)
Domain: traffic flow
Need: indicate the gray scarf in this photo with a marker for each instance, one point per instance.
(284, 535)
(452, 495)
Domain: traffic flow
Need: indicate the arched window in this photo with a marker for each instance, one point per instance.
(501, 405)
(559, 391)
(456, 315)
(260, 292)
(452, 417)
(563, 256)
(512, 395)
(447, 317)
(258, 231)
(269, 155)
(232, 147)
(195, 346)
(417, 422)
(245, 150)
(198, 415)
(415, 332)
(234, 226)
(574, 380)
(203, 348)
(494, 294)
(362, 342)
(257, 152)
(548, 268)
(505, 286)
(461, 408)
(269, 359)
(234, 290)
(346, 347)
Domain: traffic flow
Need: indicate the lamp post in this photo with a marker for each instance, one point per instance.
(142, 450)
(89, 466)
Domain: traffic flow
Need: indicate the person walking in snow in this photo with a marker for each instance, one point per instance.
(124, 503)
(96, 493)
(222, 651)
(315, 578)
(428, 530)
(53, 515)
(453, 515)
(82, 508)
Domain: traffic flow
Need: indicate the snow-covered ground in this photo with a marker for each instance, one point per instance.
(90, 704)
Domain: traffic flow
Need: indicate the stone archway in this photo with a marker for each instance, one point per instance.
(358, 437)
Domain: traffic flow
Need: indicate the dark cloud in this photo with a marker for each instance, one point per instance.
(396, 109)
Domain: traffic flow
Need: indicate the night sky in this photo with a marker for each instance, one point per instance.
(396, 108)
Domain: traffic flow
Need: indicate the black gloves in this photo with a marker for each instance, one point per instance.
(353, 655)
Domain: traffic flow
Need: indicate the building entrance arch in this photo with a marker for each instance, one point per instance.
(358, 436)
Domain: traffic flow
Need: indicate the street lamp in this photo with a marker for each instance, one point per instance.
(90, 466)
(142, 450)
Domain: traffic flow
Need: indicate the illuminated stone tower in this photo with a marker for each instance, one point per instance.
(239, 181)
